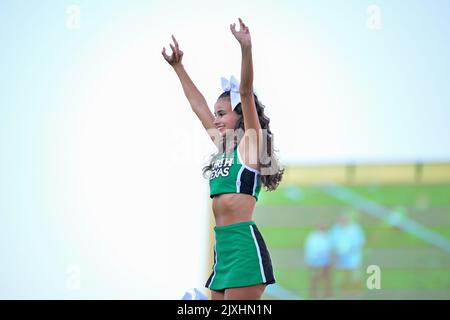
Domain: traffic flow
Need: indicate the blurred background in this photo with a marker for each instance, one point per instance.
(101, 192)
(369, 231)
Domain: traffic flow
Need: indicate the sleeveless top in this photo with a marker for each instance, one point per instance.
(229, 174)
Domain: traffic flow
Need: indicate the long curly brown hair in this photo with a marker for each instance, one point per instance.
(271, 171)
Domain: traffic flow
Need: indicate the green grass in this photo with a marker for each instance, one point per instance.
(385, 237)
(296, 196)
(415, 279)
(385, 195)
(377, 237)
(297, 280)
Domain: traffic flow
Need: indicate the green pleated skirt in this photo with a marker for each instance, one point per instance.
(241, 257)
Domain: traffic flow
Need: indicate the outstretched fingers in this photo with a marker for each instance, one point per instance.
(233, 28)
(175, 51)
(165, 54)
(242, 25)
(175, 41)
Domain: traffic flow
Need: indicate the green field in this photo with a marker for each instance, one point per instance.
(411, 266)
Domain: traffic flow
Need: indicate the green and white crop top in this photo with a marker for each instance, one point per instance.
(230, 175)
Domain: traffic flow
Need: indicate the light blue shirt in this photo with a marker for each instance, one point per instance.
(348, 241)
(318, 249)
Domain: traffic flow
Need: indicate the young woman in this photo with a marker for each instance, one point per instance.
(245, 160)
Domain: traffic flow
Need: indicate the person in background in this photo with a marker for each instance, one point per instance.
(348, 241)
(318, 254)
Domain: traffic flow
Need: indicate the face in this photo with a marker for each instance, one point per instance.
(225, 118)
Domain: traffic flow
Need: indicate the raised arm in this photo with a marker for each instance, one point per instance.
(251, 120)
(194, 96)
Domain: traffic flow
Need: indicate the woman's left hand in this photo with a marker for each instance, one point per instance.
(243, 35)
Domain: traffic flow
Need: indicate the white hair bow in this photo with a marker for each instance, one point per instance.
(232, 86)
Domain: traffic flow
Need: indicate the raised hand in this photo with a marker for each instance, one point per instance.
(177, 54)
(243, 35)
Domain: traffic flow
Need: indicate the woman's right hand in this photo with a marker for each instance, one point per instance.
(177, 54)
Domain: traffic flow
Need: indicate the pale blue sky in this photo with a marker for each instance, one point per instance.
(94, 127)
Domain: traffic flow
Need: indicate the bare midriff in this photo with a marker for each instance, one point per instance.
(232, 208)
